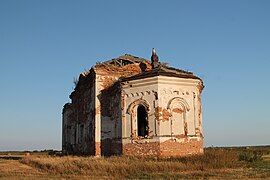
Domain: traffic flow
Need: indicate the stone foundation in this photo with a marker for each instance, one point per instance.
(165, 149)
(172, 148)
(141, 149)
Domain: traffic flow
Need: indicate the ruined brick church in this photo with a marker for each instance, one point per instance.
(133, 106)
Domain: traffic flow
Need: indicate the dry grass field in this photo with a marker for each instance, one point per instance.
(215, 163)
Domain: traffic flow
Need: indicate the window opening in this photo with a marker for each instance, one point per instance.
(142, 121)
(81, 132)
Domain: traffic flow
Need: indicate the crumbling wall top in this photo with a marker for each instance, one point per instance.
(128, 67)
(122, 61)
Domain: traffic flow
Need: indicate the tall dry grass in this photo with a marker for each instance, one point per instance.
(132, 166)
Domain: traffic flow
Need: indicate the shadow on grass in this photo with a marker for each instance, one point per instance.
(11, 157)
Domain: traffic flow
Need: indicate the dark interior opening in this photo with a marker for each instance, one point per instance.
(142, 121)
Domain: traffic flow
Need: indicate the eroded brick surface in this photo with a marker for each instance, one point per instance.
(142, 149)
(172, 148)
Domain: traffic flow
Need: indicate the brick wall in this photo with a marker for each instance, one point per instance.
(172, 148)
(164, 149)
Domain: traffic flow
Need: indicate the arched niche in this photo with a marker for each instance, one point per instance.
(178, 107)
(179, 100)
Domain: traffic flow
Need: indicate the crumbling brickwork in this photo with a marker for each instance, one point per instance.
(78, 118)
(133, 106)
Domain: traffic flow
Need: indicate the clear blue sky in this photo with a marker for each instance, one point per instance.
(45, 44)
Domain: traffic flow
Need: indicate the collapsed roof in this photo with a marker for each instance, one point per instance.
(161, 69)
(128, 67)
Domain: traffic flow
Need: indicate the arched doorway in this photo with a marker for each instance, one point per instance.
(142, 121)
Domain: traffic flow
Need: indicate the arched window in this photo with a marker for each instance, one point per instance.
(138, 111)
(142, 121)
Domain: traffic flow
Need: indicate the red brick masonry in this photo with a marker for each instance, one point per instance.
(164, 149)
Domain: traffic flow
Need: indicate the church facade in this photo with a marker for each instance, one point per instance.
(133, 106)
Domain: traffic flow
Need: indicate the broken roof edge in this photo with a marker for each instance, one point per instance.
(121, 61)
(150, 73)
(162, 69)
(116, 62)
(165, 71)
